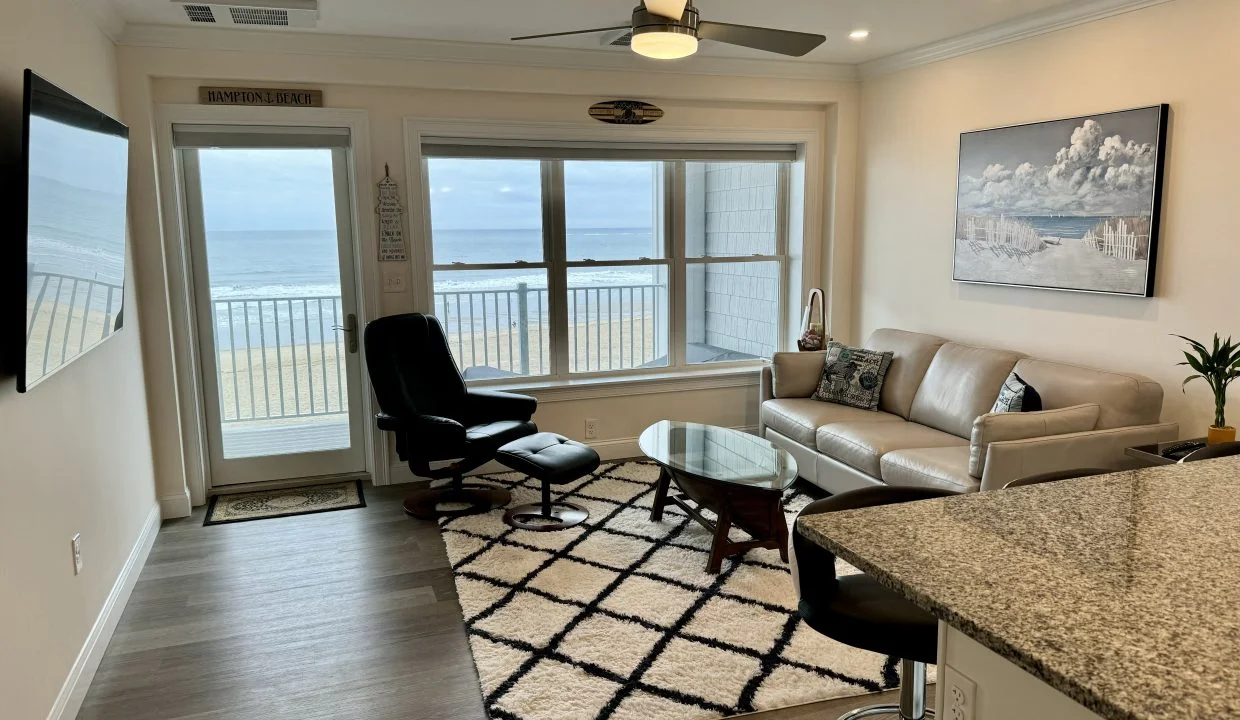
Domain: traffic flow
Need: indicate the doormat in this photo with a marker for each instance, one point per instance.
(284, 503)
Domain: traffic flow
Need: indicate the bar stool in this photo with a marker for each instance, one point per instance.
(1056, 476)
(856, 610)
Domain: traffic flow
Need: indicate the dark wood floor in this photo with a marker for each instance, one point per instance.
(344, 615)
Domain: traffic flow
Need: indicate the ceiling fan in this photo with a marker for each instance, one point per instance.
(670, 29)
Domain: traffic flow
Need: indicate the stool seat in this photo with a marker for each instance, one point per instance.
(554, 460)
(863, 613)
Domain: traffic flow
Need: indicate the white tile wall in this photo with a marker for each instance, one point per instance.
(742, 300)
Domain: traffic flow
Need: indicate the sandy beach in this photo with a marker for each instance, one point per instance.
(309, 379)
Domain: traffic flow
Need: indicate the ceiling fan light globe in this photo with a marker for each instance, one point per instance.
(664, 45)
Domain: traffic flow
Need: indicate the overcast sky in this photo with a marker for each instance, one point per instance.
(292, 190)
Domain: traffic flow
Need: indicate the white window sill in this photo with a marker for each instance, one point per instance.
(633, 384)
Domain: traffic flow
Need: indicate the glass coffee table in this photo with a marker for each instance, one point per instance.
(739, 477)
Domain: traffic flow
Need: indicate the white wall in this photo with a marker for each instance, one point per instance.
(1184, 53)
(75, 453)
(392, 89)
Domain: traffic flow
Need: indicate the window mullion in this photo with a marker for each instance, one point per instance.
(555, 251)
(674, 227)
(782, 219)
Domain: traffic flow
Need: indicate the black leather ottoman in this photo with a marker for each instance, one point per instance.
(554, 460)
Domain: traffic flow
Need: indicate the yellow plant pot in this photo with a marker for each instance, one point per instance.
(1217, 435)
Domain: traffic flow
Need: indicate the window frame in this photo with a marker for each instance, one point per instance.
(555, 263)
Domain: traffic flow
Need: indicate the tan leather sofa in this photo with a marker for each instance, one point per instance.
(934, 428)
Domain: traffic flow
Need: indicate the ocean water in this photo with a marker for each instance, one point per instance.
(283, 268)
(1063, 227)
(297, 263)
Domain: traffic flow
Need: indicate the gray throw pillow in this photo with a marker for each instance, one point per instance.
(1016, 395)
(853, 376)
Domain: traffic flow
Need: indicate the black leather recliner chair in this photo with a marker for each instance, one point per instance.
(436, 419)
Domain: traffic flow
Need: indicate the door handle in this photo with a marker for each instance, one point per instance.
(350, 330)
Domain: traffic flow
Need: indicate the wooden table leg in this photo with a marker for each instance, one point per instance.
(781, 531)
(660, 494)
(720, 547)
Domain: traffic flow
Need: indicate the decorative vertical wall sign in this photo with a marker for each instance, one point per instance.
(391, 227)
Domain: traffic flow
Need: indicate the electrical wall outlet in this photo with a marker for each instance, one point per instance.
(591, 429)
(77, 553)
(961, 697)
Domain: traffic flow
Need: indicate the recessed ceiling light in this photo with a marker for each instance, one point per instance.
(859, 34)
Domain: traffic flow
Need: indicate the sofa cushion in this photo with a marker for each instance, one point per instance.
(798, 419)
(852, 376)
(945, 467)
(796, 374)
(862, 444)
(961, 383)
(1124, 399)
(911, 355)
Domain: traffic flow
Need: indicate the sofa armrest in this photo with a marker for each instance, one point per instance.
(1014, 459)
(796, 374)
(997, 427)
(766, 385)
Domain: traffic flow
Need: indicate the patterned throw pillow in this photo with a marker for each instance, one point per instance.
(1016, 395)
(853, 376)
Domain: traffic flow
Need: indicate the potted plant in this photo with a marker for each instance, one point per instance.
(1218, 367)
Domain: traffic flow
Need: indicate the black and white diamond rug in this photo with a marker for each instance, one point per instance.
(618, 618)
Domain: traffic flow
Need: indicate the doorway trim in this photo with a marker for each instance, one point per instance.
(178, 263)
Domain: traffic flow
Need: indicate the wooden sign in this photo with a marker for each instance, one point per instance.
(260, 96)
(391, 228)
(625, 112)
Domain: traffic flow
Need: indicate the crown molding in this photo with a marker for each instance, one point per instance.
(1061, 18)
(312, 43)
(105, 16)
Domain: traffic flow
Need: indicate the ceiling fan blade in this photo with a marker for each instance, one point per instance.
(674, 9)
(784, 42)
(573, 32)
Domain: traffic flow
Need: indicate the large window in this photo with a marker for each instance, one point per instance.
(569, 266)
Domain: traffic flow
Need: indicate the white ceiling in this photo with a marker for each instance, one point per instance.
(895, 25)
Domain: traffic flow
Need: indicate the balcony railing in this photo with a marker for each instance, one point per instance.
(497, 333)
(66, 315)
(280, 358)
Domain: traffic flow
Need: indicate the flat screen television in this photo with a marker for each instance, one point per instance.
(76, 168)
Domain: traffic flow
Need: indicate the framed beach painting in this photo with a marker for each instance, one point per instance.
(1063, 205)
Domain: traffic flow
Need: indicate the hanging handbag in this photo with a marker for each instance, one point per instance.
(813, 334)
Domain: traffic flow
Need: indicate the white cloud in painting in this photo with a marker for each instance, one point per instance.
(1095, 174)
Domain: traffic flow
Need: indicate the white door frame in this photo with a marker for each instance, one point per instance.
(178, 265)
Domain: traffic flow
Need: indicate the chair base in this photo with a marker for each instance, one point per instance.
(912, 704)
(460, 500)
(536, 517)
(876, 710)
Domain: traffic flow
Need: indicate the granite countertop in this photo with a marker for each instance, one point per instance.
(1121, 591)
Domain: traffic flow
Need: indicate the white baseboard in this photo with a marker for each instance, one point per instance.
(608, 450)
(73, 692)
(177, 505)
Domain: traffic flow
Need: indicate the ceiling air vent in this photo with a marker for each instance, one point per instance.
(624, 38)
(200, 13)
(258, 16)
(254, 13)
